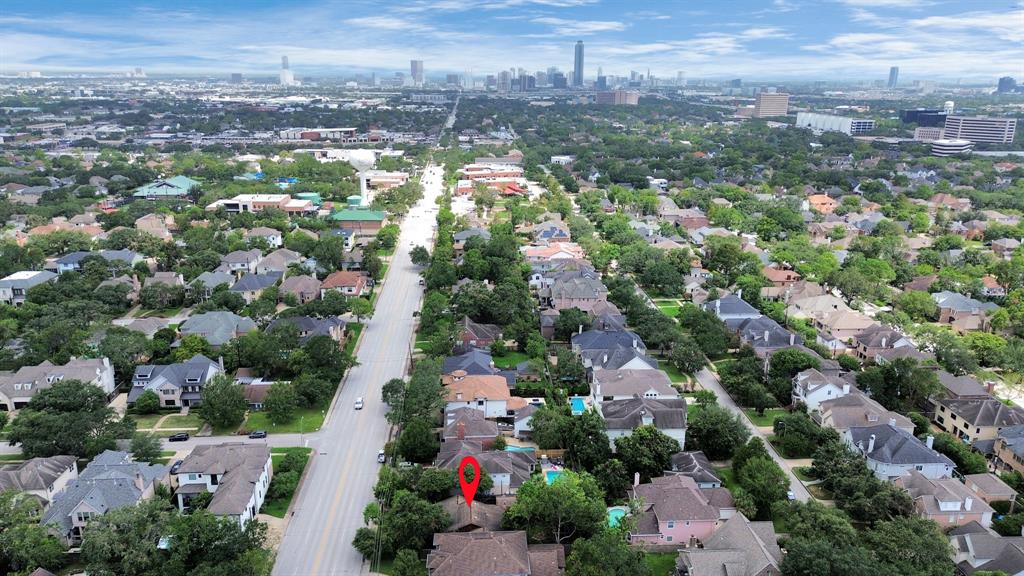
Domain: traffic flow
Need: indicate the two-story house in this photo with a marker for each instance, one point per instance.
(625, 384)
(237, 475)
(811, 388)
(891, 452)
(676, 511)
(487, 393)
(621, 417)
(176, 385)
(40, 478)
(14, 288)
(945, 501)
(17, 388)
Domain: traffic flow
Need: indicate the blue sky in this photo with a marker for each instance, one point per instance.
(973, 40)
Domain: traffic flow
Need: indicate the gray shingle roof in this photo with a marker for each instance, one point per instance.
(251, 282)
(895, 446)
(34, 474)
(217, 327)
(695, 465)
(668, 413)
(239, 466)
(197, 371)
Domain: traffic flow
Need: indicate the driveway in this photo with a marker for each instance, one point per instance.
(709, 381)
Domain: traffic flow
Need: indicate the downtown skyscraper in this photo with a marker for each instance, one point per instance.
(577, 67)
(894, 77)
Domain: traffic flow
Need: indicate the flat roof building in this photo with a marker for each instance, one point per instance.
(980, 129)
(771, 104)
(949, 147)
(829, 123)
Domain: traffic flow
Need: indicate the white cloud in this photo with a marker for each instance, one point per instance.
(579, 27)
(887, 3)
(388, 23)
(1004, 25)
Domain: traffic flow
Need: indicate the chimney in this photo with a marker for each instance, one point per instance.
(636, 479)
(220, 362)
(792, 339)
(929, 441)
(766, 336)
(871, 444)
(460, 430)
(990, 386)
(635, 345)
(718, 306)
(892, 422)
(580, 329)
(884, 341)
(605, 361)
(846, 389)
(646, 418)
(968, 502)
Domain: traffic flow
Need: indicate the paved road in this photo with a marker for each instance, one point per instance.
(329, 507)
(709, 381)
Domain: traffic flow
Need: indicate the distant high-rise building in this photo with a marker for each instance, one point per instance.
(542, 78)
(491, 82)
(680, 78)
(770, 104)
(600, 71)
(618, 98)
(452, 80)
(1007, 84)
(504, 81)
(287, 78)
(577, 69)
(236, 77)
(602, 83)
(416, 71)
(736, 83)
(980, 129)
(558, 80)
(831, 123)
(894, 77)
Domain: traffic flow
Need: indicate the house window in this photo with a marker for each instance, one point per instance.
(479, 402)
(671, 524)
(193, 476)
(919, 467)
(84, 516)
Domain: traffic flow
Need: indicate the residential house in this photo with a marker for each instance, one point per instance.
(697, 466)
(1009, 449)
(763, 333)
(480, 517)
(950, 202)
(40, 478)
(811, 388)
(961, 387)
(14, 288)
(674, 510)
(732, 310)
(349, 283)
(493, 554)
(278, 261)
(545, 274)
(822, 203)
(612, 350)
(837, 329)
(945, 501)
(976, 421)
(814, 307)
(552, 251)
(462, 236)
(875, 339)
(625, 384)
(308, 327)
(217, 327)
(274, 238)
(133, 288)
(468, 424)
(739, 548)
(73, 262)
(251, 286)
(980, 549)
(550, 231)
(991, 288)
(509, 469)
(478, 335)
(576, 292)
(961, 312)
(487, 393)
(240, 261)
(112, 480)
(170, 279)
(237, 475)
(157, 225)
(1005, 247)
(19, 387)
(780, 278)
(621, 417)
(857, 410)
(891, 452)
(522, 422)
(990, 488)
(177, 385)
(304, 288)
(176, 187)
(208, 283)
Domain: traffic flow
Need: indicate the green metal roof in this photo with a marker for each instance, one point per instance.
(176, 186)
(358, 215)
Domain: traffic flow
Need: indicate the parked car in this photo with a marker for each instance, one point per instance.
(359, 403)
(179, 437)
(381, 457)
(791, 495)
(258, 434)
(175, 467)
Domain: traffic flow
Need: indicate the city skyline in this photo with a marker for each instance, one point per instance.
(780, 39)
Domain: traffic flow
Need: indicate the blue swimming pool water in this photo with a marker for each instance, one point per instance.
(518, 449)
(614, 515)
(550, 475)
(578, 407)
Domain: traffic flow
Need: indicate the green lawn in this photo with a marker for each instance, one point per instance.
(767, 419)
(727, 476)
(820, 493)
(673, 373)
(308, 420)
(803, 473)
(663, 564)
(11, 458)
(145, 421)
(278, 507)
(510, 359)
(354, 329)
(670, 310)
(165, 313)
(182, 421)
(691, 409)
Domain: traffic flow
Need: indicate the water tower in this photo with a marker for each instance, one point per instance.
(947, 106)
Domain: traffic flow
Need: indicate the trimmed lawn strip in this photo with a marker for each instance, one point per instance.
(278, 507)
(803, 473)
(145, 421)
(769, 416)
(182, 421)
(661, 564)
(306, 420)
(12, 458)
(354, 329)
(820, 493)
(510, 359)
(727, 476)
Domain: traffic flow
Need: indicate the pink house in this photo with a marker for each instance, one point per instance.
(675, 510)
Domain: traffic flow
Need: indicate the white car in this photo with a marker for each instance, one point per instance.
(381, 457)
(359, 403)
(791, 495)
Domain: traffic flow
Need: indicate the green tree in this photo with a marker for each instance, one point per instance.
(147, 403)
(192, 345)
(407, 563)
(419, 255)
(69, 417)
(569, 322)
(716, 431)
(918, 305)
(613, 478)
(586, 441)
(123, 347)
(410, 522)
(223, 403)
(571, 507)
(911, 547)
(418, 442)
(646, 450)
(687, 356)
(361, 308)
(606, 552)
(146, 448)
(25, 544)
(815, 557)
(281, 402)
(967, 461)
(765, 482)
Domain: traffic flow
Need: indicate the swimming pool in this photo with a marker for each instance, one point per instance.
(578, 406)
(518, 449)
(551, 475)
(615, 514)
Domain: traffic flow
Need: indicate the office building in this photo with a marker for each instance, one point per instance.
(558, 80)
(927, 133)
(894, 77)
(829, 123)
(602, 83)
(1006, 84)
(287, 78)
(771, 104)
(577, 69)
(452, 80)
(949, 147)
(416, 71)
(542, 77)
(618, 98)
(980, 129)
(236, 78)
(929, 117)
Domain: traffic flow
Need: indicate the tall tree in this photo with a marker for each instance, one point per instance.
(223, 403)
(571, 507)
(646, 450)
(606, 552)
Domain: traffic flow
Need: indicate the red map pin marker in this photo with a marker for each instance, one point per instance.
(469, 488)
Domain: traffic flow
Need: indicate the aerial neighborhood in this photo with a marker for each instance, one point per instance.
(673, 329)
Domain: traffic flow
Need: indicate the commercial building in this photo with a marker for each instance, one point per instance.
(577, 69)
(981, 129)
(829, 123)
(257, 202)
(416, 70)
(286, 78)
(931, 117)
(927, 133)
(618, 98)
(771, 104)
(1006, 84)
(894, 76)
(948, 147)
(558, 80)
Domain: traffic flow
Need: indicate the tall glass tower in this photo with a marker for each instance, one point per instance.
(577, 68)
